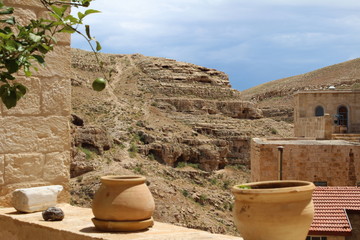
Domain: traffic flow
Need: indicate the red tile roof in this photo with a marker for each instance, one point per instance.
(330, 205)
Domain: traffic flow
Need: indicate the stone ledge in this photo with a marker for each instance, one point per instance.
(77, 225)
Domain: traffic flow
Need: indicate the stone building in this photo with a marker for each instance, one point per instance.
(326, 151)
(319, 114)
(326, 146)
(325, 162)
(35, 135)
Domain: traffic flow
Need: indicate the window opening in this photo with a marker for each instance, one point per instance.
(342, 116)
(319, 111)
(320, 183)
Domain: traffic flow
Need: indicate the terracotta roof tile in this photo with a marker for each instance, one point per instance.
(330, 205)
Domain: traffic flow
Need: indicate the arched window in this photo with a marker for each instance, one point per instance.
(342, 115)
(319, 111)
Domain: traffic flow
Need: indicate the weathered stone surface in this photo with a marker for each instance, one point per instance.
(53, 91)
(53, 214)
(93, 138)
(24, 167)
(37, 134)
(171, 70)
(77, 226)
(27, 3)
(57, 63)
(79, 164)
(2, 170)
(35, 199)
(234, 109)
(37, 128)
(30, 104)
(56, 168)
(181, 112)
(331, 161)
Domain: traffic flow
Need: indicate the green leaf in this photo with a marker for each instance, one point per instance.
(11, 65)
(5, 36)
(81, 15)
(8, 76)
(39, 58)
(91, 11)
(10, 21)
(22, 89)
(59, 11)
(68, 29)
(87, 30)
(9, 98)
(43, 48)
(7, 11)
(11, 45)
(34, 37)
(4, 88)
(98, 46)
(73, 20)
(27, 71)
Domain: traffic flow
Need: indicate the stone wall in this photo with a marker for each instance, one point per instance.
(334, 162)
(315, 127)
(331, 100)
(35, 136)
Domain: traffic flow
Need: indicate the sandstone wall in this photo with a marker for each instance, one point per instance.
(335, 162)
(314, 127)
(35, 136)
(306, 102)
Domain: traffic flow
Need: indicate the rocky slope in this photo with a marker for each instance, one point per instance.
(180, 125)
(275, 97)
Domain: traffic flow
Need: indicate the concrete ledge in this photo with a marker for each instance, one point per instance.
(77, 225)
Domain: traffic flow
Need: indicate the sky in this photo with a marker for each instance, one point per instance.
(253, 41)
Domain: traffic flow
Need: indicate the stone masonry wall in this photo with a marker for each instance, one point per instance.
(35, 136)
(315, 127)
(306, 102)
(336, 162)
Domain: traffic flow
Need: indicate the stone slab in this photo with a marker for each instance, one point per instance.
(77, 225)
(36, 198)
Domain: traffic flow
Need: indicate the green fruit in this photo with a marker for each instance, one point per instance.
(99, 84)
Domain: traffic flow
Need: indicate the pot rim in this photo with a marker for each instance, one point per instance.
(134, 179)
(284, 186)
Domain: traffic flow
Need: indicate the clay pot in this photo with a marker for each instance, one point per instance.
(274, 210)
(123, 203)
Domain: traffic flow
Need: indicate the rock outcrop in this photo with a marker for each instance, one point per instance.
(171, 111)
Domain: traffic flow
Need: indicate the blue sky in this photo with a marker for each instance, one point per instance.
(252, 41)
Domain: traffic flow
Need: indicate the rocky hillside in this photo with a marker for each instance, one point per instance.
(275, 97)
(179, 124)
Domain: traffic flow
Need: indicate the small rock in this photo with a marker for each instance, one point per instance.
(53, 214)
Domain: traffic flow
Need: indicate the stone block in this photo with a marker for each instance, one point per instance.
(55, 92)
(30, 103)
(57, 63)
(25, 167)
(27, 3)
(57, 167)
(35, 199)
(2, 170)
(23, 15)
(34, 134)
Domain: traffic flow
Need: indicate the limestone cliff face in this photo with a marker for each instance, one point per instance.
(172, 111)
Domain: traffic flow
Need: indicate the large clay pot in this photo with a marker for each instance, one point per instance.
(123, 203)
(274, 210)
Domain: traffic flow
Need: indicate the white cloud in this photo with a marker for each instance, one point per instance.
(207, 32)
